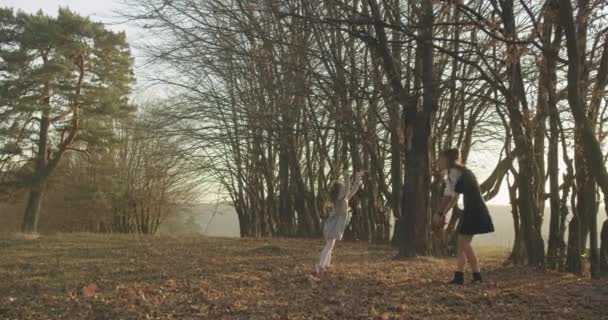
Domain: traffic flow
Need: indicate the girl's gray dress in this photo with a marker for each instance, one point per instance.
(334, 226)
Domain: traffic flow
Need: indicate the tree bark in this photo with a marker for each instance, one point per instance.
(30, 217)
(590, 143)
(519, 114)
(422, 133)
(603, 254)
(40, 174)
(550, 68)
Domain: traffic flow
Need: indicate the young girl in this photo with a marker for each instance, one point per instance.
(334, 226)
(475, 217)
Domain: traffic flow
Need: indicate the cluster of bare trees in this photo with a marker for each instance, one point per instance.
(280, 96)
(130, 184)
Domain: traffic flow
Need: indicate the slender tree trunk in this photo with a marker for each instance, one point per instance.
(287, 223)
(555, 227)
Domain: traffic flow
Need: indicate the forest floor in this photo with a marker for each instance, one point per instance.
(83, 276)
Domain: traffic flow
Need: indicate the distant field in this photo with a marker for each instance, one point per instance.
(222, 221)
(83, 276)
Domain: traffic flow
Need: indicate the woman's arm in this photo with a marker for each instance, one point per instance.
(447, 203)
(450, 197)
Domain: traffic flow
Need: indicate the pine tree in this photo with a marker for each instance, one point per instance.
(58, 77)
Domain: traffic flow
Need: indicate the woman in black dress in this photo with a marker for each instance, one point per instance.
(475, 217)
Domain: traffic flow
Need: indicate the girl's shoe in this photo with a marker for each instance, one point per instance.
(313, 277)
(458, 278)
(317, 270)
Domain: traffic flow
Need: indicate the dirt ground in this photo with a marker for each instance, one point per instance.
(84, 276)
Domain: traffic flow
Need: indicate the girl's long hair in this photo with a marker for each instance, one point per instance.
(334, 191)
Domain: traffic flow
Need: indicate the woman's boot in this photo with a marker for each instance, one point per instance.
(458, 278)
(477, 277)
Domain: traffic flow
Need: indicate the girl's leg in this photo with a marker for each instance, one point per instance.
(321, 259)
(325, 256)
(329, 246)
(331, 252)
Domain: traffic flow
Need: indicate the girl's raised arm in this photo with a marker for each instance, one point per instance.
(353, 190)
(346, 190)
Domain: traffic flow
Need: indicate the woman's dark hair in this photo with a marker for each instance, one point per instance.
(334, 191)
(452, 157)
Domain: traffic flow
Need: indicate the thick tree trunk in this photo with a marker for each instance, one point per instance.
(603, 254)
(418, 187)
(244, 224)
(308, 223)
(32, 209)
(422, 135)
(554, 199)
(590, 144)
(40, 175)
(574, 262)
(519, 114)
(415, 238)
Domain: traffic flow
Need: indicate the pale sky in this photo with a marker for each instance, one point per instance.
(98, 10)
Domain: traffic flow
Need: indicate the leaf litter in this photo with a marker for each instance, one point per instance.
(123, 277)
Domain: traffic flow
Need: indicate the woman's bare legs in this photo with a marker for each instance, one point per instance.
(462, 256)
(465, 253)
(469, 253)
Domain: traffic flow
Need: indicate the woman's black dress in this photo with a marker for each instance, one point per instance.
(476, 217)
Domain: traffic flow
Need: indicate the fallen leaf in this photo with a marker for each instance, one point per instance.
(90, 290)
(171, 284)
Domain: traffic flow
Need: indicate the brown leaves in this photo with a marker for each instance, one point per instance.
(227, 279)
(171, 284)
(90, 290)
